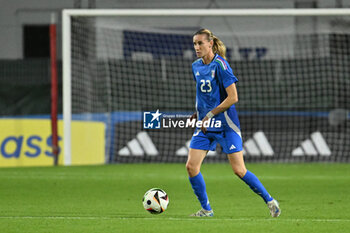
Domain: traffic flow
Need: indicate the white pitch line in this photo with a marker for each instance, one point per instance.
(174, 219)
(264, 177)
(177, 177)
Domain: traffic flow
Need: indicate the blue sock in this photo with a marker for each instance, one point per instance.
(198, 186)
(255, 184)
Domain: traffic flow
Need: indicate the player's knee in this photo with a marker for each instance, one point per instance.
(239, 171)
(192, 169)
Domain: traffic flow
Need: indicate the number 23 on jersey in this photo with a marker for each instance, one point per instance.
(205, 85)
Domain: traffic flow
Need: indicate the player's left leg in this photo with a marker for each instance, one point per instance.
(231, 143)
(238, 166)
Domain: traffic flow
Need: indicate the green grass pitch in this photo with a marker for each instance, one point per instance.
(313, 198)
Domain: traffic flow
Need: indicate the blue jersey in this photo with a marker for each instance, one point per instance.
(211, 80)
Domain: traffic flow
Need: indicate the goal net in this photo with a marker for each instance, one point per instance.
(125, 67)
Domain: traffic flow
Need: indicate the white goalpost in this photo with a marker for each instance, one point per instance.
(106, 59)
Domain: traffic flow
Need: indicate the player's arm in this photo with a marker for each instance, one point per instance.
(232, 98)
(194, 116)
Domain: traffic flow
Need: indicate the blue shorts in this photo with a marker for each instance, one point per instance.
(230, 141)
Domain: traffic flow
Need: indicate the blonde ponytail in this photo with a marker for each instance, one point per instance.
(218, 45)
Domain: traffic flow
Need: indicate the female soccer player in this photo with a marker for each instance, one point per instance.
(216, 96)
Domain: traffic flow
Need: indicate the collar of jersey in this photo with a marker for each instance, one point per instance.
(216, 55)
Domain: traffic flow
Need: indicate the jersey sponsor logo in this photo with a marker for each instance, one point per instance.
(317, 145)
(141, 145)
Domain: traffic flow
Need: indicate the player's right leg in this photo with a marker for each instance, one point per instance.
(194, 161)
(200, 144)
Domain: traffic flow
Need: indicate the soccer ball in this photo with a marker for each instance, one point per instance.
(155, 201)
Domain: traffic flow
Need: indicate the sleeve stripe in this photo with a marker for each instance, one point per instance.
(222, 63)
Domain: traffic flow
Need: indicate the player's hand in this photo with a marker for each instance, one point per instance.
(204, 129)
(194, 116)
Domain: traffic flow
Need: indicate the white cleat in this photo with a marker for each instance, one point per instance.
(274, 208)
(203, 213)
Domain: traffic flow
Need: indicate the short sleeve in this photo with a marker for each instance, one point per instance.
(194, 64)
(194, 77)
(226, 75)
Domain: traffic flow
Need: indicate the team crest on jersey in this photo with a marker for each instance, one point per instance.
(212, 73)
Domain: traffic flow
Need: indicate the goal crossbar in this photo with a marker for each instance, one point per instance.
(207, 12)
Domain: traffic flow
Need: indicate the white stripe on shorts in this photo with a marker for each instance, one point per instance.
(232, 125)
